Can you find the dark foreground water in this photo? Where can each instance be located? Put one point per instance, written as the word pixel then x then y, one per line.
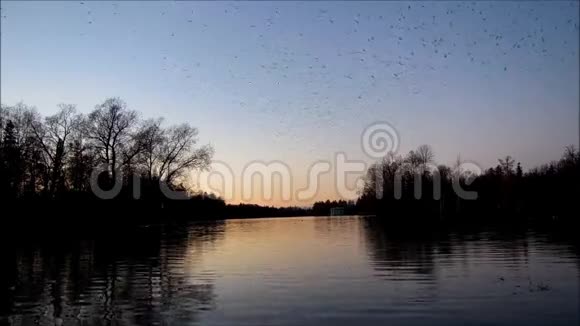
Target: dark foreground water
pixel 294 271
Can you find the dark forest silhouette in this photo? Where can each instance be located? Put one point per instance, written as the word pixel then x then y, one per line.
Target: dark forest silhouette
pixel 51 160
pixel 47 164
pixel 503 192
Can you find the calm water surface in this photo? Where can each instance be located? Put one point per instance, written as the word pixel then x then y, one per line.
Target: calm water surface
pixel 293 271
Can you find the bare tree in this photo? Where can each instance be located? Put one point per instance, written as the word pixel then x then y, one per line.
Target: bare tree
pixel 152 137
pixel 168 153
pixel 22 118
pixel 53 138
pixel 177 153
pixel 413 159
pixel 570 154
pixel 110 127
pixel 3 119
pixel 457 170
pixel 81 157
pixel 425 154
pixel 61 150
pixel 419 158
pixel 507 165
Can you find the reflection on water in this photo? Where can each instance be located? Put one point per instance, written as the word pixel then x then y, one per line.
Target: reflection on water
pixel 295 271
pixel 151 277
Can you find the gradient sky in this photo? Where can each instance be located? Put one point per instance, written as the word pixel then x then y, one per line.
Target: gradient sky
pixel 299 81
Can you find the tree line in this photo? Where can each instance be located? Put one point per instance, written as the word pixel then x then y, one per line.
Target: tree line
pixel 62 157
pixel 57 157
pixel 413 186
pixel 52 161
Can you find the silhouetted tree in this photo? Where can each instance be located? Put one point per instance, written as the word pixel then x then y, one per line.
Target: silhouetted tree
pixel 110 127
pixel 79 167
pixel 548 191
pixel 54 139
pixel 175 153
pixel 424 155
pixel 507 165
pixel 55 157
pixel 12 164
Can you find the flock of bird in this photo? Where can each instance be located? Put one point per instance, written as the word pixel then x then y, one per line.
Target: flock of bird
pixel 444 47
pixel 431 43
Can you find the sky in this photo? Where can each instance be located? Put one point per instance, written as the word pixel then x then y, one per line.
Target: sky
pixel 298 82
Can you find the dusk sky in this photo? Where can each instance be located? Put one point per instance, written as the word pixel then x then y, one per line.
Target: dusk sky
pixel 299 81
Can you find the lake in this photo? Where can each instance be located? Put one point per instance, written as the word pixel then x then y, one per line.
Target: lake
pixel 291 271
